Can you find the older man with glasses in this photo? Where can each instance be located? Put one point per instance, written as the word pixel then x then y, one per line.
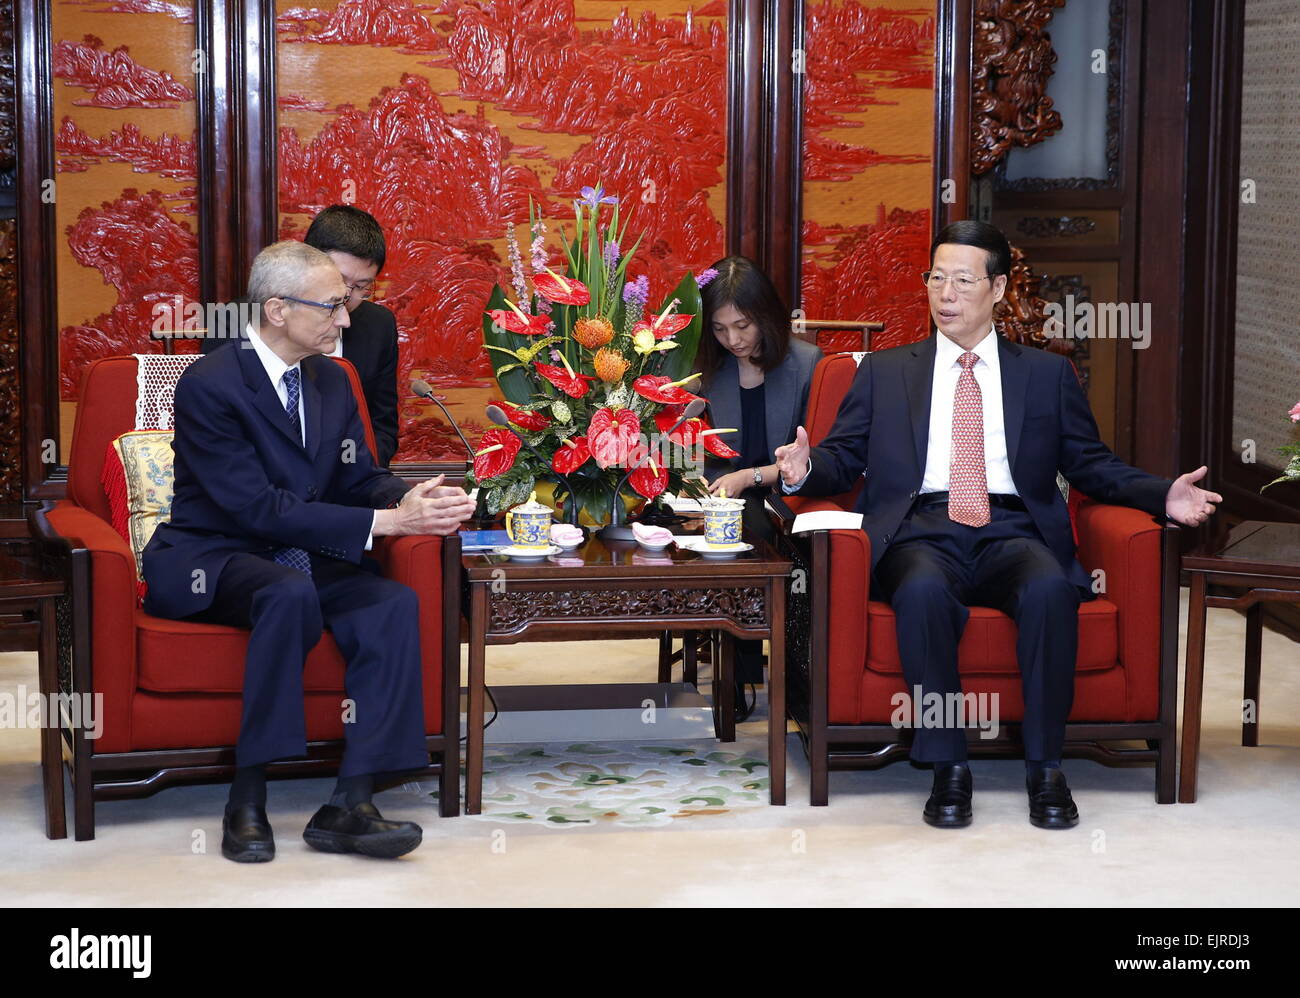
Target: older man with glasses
pixel 276 500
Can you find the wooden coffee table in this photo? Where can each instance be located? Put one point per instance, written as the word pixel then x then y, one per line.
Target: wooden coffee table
pixel 1262 560
pixel 600 591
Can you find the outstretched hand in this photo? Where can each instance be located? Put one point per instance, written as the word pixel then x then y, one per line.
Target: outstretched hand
pixel 1188 504
pixel 792 458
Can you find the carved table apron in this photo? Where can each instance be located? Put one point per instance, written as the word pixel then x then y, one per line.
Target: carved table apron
pixel 599 592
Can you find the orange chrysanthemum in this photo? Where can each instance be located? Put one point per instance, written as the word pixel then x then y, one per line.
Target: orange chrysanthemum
pixel 610 365
pixel 592 333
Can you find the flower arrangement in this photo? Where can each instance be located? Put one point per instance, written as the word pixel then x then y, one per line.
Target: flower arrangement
pixel 1291 473
pixel 592 377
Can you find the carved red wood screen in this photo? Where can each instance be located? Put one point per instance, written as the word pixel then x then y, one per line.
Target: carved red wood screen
pixel 867 173
pixel 124 191
pixel 442 122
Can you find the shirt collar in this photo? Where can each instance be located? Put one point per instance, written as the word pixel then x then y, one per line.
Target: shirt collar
pixel 274 366
pixel 948 353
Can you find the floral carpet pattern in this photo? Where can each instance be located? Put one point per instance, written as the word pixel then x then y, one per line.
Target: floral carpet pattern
pixel 585 785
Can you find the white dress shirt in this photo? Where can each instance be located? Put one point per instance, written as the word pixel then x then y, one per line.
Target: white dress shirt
pixel 275 370
pixel 943 390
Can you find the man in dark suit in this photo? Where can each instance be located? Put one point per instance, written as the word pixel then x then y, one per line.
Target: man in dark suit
pixel 353 239
pixel 960 438
pixel 276 499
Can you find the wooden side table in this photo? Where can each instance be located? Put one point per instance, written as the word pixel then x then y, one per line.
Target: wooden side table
pixel 30 589
pixel 1262 560
pixel 606 591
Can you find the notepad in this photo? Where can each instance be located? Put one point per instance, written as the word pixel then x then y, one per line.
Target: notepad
pixel 826 519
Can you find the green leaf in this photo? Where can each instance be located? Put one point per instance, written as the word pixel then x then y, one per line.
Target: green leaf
pixel 677 364
pixel 512 381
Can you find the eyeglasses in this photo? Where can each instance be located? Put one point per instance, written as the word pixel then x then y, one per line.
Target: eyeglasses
pixel 359 291
pixel 330 307
pixel 964 283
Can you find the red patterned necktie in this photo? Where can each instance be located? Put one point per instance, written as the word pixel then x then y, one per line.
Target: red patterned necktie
pixel 968 488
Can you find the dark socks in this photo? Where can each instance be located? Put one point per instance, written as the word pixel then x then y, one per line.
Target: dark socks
pixel 248 787
pixel 353 790
pixel 1034 767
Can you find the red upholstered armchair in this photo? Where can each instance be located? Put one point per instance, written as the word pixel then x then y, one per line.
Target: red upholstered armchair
pixel 172 690
pixel 840 691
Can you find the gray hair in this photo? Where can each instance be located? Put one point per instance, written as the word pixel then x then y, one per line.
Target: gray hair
pixel 282 269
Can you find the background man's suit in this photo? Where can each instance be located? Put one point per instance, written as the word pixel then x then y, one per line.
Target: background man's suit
pixel 1023 561
pixel 246 487
pixel 370 344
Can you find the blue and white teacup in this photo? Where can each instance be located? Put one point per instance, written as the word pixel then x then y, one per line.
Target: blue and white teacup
pixel 722 520
pixel 529 524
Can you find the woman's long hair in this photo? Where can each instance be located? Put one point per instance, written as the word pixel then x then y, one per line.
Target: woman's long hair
pixel 741 283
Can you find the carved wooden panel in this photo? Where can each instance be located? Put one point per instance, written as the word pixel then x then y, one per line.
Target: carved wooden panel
pixel 1022 313
pixel 10 391
pixel 1010 67
pixel 11 478
pixel 509 611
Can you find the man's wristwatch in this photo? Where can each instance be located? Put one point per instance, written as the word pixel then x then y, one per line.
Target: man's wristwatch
pixel 758 477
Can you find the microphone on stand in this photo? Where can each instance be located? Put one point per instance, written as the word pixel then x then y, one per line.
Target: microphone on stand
pixel 616 529
pixel 498 415
pixel 422 389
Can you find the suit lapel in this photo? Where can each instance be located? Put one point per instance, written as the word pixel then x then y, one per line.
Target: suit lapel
pixel 1015 379
pixel 724 399
pixel 265 399
pixel 311 403
pixel 918 377
pixel 778 396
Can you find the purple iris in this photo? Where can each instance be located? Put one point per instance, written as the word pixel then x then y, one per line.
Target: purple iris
pixel 593 196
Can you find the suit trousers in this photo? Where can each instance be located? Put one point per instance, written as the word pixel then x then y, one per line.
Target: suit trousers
pixel 934 570
pixel 375 623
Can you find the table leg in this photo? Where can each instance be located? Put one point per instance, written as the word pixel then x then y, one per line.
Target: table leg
pixel 56 823
pixel 666 657
pixel 1250 690
pixel 724 671
pixel 776 692
pixel 474 706
pixel 1192 689
pixel 690 658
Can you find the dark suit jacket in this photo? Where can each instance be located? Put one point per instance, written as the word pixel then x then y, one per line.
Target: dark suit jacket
pixel 244 482
pixel 883 429
pixel 370 343
pixel 785 395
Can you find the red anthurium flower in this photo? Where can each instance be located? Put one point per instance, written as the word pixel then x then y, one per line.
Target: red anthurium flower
pixel 496 453
pixel 612 435
pixel 523 417
pixel 520 322
pixel 714 445
pixel 569 459
pixel 561 290
pixel 685 434
pixel 649 480
pixel 664 326
pixel 658 388
pixel 573 385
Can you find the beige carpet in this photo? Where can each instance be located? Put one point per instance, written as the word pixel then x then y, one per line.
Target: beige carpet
pixel 1236 846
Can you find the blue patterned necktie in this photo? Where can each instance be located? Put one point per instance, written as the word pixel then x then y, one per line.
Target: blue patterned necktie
pixel 293 557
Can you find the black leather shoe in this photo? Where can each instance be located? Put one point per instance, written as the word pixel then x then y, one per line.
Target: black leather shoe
pixel 246 834
pixel 949 803
pixel 361 829
pixel 1050 803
